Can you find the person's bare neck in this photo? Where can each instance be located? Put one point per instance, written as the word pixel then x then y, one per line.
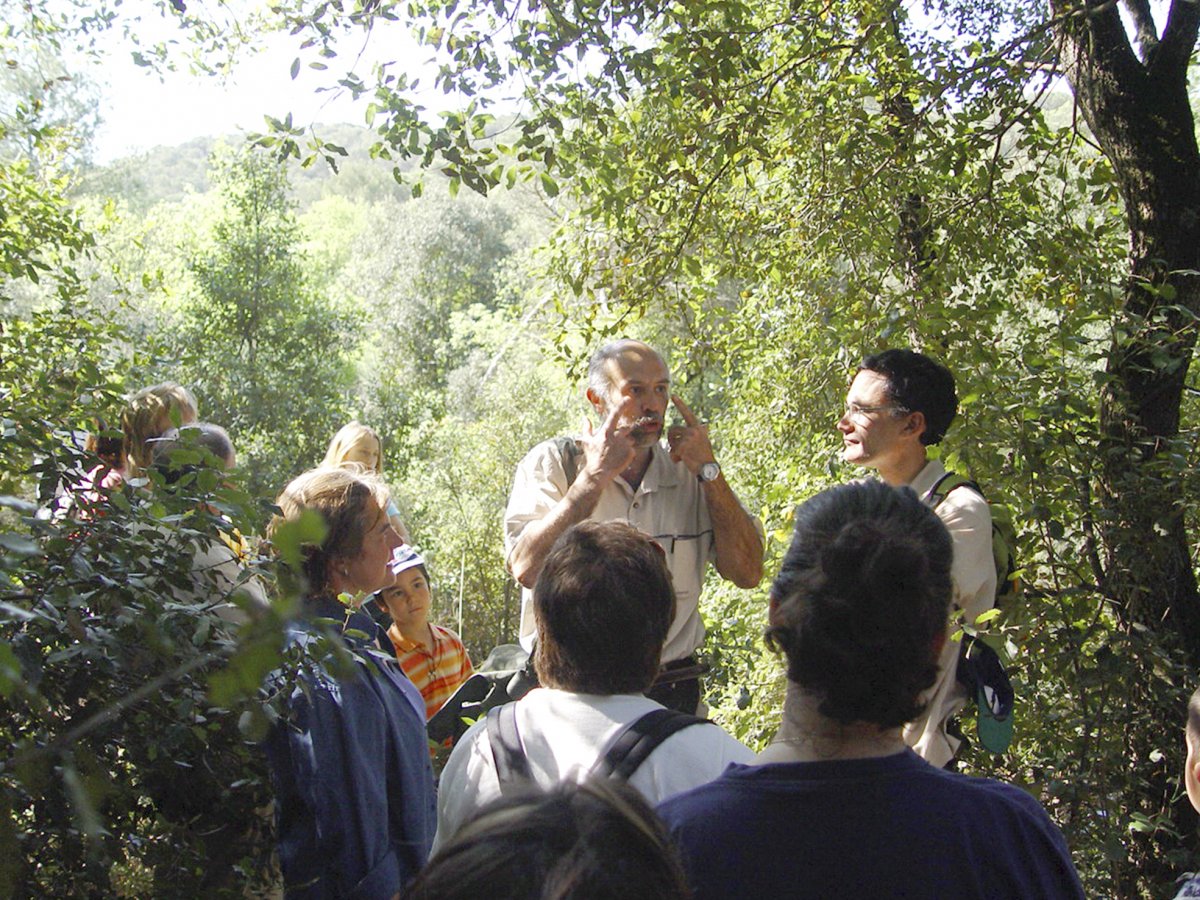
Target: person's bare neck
pixel 805 735
pixel 418 632
pixel 636 470
pixel 905 467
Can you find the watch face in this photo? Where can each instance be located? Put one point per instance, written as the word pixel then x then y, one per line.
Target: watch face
pixel 709 471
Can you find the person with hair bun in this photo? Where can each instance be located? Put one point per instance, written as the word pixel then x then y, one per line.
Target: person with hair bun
pixel 838 805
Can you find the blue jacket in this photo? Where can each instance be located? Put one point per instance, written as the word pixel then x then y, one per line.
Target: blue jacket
pixel 354 791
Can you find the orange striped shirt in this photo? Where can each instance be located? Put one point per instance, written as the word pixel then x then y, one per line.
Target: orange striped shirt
pixel 438 671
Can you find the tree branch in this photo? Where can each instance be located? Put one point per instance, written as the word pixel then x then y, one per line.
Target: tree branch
pixel 1145 31
pixel 1179 36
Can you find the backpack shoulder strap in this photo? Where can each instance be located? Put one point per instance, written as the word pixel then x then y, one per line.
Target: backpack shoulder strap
pixel 947 483
pixel 569 450
pixel 507 753
pixel 640 738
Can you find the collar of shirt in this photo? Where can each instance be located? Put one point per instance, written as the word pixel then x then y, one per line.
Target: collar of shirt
pixel 927 478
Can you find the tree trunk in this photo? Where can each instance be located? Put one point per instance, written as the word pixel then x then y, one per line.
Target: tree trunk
pixel 1138 110
pixel 1140 115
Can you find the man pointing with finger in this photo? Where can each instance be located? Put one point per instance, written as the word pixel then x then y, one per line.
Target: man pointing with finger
pixel 619 471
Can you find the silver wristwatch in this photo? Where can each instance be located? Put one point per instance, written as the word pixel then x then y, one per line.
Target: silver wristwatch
pixel 709 471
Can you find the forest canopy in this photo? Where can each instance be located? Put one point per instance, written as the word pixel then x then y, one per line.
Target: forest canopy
pixel 767 192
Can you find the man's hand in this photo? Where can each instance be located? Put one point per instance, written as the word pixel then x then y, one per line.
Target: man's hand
pixel 611 448
pixel 689 442
pixel 739 548
pixel 608 451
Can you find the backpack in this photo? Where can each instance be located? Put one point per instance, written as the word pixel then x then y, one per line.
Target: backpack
pixel 1004 536
pixel 627 751
pixel 980 669
pixel 570 451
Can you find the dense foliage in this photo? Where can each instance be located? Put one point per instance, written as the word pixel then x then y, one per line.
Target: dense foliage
pixel 768 192
pixel 259 345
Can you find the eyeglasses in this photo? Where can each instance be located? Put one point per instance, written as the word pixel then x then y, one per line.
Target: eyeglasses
pixel 862 414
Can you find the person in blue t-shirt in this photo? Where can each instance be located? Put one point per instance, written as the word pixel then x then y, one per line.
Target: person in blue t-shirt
pixel 349 759
pixel 837 805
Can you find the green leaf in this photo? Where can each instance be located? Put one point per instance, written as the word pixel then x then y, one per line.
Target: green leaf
pixel 10 670
pixel 19 544
pixel 290 537
pixel 988 616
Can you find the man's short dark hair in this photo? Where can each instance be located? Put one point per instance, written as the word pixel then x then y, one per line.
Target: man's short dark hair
pixel 919 384
pixel 603 605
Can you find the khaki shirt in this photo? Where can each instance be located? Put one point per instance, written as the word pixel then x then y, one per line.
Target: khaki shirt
pixel 969 521
pixel 668 505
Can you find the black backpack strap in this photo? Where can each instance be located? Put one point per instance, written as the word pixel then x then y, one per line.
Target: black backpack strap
pixel 639 739
pixel 937 494
pixel 507 753
pixel 570 451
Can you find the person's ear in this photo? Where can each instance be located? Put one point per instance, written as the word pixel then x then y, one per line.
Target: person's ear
pixel 597 402
pixel 339 575
pixel 772 610
pixel 915 425
pixel 1191 775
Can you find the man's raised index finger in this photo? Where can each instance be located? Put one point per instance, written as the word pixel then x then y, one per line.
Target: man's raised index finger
pixel 610 423
pixel 689 417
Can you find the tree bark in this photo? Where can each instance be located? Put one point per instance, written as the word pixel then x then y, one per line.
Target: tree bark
pixel 1140 115
pixel 1138 111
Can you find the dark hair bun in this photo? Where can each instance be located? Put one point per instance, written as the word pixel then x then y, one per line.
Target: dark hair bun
pixel 862 596
pixel 866 565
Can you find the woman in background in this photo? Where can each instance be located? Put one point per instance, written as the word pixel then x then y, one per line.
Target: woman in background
pixel 150 414
pixel 357 444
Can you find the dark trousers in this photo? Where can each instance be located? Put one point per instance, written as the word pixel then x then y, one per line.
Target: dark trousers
pixel 682 695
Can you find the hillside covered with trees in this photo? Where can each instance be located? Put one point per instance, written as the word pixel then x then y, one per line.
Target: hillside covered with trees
pixel 767 192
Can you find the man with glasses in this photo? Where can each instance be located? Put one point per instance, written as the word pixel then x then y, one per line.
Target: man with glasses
pixel 899 404
pixel 619 470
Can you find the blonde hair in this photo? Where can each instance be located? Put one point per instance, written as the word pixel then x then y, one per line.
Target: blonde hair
pixel 342 497
pixel 349 436
pixel 148 415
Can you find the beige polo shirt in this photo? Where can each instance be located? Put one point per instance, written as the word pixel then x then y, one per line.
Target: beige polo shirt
pixel 668 505
pixel 969 521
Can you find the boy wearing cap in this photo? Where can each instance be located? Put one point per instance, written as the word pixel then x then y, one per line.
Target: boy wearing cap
pixel 433 657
